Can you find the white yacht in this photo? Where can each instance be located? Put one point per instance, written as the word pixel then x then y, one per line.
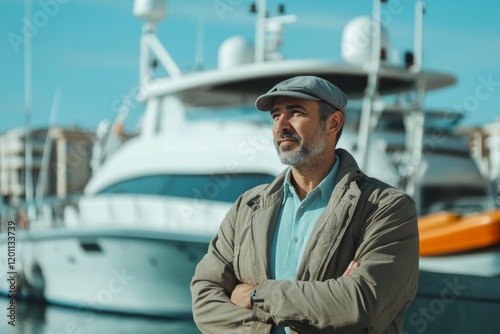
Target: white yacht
pixel 131 243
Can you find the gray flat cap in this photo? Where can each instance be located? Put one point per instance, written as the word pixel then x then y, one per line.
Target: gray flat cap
pixel 307 88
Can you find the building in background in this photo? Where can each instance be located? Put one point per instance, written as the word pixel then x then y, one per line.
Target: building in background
pixel 485 148
pixel 61 165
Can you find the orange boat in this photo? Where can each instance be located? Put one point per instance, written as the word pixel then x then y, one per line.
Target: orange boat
pixel 449 233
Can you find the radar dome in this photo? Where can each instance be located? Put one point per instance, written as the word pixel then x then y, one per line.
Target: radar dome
pixel 150 10
pixel 235 51
pixel 357 40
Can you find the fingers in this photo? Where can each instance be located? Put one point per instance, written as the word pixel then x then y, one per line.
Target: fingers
pixel 241 295
pixel 350 269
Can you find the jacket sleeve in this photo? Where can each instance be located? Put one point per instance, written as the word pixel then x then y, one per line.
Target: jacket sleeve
pixel 372 297
pixel 213 283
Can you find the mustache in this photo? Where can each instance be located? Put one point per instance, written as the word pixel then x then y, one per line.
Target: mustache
pixel 288 135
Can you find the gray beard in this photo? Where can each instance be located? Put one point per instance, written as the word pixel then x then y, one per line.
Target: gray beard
pixel 304 154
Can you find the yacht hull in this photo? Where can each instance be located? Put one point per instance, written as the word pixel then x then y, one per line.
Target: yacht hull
pixel 116 270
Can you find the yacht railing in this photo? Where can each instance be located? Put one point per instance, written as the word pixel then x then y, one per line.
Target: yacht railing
pixel 121 211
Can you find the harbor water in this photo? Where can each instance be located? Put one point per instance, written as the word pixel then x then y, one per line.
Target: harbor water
pixel 39 318
pixel 445 303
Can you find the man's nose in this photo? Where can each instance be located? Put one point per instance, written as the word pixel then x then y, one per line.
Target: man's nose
pixel 282 123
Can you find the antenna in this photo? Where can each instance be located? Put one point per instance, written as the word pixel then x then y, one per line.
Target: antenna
pixel 28 148
pixel 260 31
pixel 200 39
pixel 419 14
pixel 47 149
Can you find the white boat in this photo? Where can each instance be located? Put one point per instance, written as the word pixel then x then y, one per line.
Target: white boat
pixel 131 243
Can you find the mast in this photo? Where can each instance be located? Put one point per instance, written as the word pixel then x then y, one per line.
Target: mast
pixel 418 37
pixel 260 31
pixel 415 119
pixel 367 118
pixel 152 12
pixel 268 31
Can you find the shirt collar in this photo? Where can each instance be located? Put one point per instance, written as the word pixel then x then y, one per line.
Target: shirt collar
pixel 287 185
pixel 325 187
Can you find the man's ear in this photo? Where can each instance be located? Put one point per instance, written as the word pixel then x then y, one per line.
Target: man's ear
pixel 334 123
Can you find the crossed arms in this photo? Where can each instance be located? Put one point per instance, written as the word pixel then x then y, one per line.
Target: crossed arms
pixel 373 291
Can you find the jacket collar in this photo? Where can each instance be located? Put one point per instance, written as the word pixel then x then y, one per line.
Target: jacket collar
pixel 266 206
pixel 348 171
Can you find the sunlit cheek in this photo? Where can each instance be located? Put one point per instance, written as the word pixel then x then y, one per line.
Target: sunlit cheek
pixel 275 135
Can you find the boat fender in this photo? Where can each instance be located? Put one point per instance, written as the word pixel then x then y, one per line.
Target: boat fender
pixel 33 278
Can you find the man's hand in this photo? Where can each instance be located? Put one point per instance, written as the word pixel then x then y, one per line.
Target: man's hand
pixel 241 295
pixel 350 268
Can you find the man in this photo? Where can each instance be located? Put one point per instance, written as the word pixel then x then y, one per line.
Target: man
pixel 322 249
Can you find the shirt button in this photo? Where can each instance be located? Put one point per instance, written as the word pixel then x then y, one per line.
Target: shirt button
pixel 295 239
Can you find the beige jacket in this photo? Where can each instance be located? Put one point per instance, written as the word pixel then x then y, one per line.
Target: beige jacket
pixel 365 220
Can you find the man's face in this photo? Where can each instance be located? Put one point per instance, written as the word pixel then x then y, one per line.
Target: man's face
pixel 299 135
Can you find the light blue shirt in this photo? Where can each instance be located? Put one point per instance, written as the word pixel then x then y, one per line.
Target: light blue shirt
pixel 296 221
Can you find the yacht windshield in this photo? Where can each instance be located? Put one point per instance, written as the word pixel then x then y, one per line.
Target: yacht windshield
pixel 246 112
pixel 215 187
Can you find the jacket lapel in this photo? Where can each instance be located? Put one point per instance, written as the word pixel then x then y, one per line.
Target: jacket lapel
pixel 263 223
pixel 332 224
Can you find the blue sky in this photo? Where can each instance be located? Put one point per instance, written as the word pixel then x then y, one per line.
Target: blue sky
pixel 90 50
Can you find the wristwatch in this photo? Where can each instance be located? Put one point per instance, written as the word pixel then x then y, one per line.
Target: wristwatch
pixel 252 297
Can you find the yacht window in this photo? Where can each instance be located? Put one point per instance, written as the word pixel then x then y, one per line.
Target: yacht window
pixel 248 113
pixel 216 187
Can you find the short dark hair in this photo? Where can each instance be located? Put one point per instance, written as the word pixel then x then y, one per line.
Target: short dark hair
pixel 325 110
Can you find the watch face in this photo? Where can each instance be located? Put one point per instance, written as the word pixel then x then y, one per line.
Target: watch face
pixel 252 297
